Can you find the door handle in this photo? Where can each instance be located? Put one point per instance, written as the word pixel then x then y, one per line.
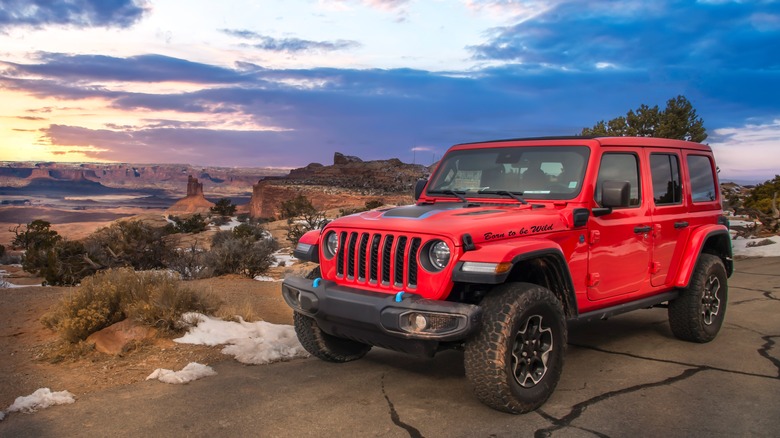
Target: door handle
pixel 679 225
pixel 643 229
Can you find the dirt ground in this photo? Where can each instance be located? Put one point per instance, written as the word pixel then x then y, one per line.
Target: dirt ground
pixel 26 345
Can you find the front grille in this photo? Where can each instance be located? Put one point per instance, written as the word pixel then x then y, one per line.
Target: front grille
pixel 378 259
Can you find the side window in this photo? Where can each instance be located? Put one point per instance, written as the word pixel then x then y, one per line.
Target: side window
pixel 620 167
pixel 665 170
pixel 702 178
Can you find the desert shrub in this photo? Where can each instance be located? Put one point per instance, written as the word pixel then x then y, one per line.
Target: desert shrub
pixel 192 224
pixel 67 263
pixel 161 300
pixel 374 203
pixel 240 255
pixel 253 231
pixel 219 220
pixel 243 217
pixel 129 243
pixel 94 306
pixel 190 262
pixel 153 297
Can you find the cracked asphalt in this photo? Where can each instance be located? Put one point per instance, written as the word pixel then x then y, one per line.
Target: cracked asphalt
pixel 627 376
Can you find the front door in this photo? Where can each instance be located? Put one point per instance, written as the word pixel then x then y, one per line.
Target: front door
pixel 620 242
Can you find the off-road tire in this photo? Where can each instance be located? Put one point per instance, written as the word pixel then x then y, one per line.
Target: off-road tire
pixel 697 314
pixel 509 314
pixel 324 346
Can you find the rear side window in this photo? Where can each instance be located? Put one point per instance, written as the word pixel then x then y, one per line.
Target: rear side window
pixel 702 178
pixel 667 189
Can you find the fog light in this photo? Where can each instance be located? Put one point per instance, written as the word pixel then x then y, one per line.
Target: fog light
pixel 430 323
pixel 420 323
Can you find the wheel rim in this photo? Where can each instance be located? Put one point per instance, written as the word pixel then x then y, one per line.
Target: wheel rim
pixel 531 352
pixel 710 301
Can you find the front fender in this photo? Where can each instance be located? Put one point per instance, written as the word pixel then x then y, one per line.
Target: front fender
pixel 540 254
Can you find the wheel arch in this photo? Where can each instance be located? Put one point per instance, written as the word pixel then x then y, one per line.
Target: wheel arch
pixel 531 260
pixel 547 268
pixel 713 239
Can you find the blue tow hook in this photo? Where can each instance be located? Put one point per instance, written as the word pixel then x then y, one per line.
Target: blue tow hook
pixel 399 296
pixel 317 282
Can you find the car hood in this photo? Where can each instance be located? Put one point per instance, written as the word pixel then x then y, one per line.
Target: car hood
pixel 453 219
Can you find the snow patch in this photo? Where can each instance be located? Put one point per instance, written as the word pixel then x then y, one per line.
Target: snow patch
pixel 741 248
pixel 283 258
pixel 193 371
pixel 40 399
pixel 249 342
pixel 230 225
pixel 266 278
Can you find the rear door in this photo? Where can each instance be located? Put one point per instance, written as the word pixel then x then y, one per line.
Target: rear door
pixel 668 210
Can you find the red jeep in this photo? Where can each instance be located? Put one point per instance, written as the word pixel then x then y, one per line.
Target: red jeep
pixel 508 241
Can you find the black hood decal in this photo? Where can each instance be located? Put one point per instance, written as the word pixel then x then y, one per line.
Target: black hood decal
pixel 420 211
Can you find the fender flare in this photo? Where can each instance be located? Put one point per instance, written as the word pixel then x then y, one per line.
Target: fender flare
pixel 696 243
pixel 544 251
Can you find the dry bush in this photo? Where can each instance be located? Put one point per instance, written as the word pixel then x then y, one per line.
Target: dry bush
pixel 153 297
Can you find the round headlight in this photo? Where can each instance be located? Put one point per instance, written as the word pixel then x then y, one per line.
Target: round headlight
pixel 331 244
pixel 439 255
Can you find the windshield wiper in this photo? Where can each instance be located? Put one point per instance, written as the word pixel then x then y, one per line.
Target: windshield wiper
pixel 455 193
pixel 514 195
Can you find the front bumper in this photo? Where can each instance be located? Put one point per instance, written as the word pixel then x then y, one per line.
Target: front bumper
pixel 408 323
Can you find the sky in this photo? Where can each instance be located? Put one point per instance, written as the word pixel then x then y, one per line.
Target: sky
pixel 289 82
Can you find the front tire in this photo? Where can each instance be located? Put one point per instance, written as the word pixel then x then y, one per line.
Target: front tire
pixel 698 313
pixel 515 360
pixel 324 346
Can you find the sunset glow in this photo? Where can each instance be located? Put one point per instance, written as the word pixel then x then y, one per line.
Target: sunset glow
pixel 285 83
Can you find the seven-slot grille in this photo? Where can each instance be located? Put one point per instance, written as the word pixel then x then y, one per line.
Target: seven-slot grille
pixel 378 259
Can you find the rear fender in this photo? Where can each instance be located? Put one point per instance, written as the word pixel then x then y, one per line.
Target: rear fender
pixel 712 239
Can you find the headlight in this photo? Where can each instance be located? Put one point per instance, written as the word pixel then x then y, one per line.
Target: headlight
pixel 439 255
pixel 331 244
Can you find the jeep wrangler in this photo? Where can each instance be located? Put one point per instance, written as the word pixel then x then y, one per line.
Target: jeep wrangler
pixel 507 242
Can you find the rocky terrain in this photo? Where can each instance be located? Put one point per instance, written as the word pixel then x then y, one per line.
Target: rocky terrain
pixel 348 182
pixel 163 177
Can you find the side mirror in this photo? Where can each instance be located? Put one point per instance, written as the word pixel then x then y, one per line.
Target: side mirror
pixel 419 187
pixel 614 194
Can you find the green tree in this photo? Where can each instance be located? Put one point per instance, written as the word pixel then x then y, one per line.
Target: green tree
pixel 193 224
pixel 678 121
pixel 223 207
pixel 34 236
pixel 295 207
pixel 763 204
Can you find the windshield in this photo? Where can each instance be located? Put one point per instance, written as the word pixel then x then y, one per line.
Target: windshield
pixel 550 172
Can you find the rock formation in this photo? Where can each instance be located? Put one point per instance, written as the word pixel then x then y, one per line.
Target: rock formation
pixel 349 182
pixel 194 202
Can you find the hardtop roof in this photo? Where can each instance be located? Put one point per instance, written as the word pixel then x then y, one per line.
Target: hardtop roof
pixel 653 142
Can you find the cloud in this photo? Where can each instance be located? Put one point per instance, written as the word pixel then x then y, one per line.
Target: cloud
pixel 290 45
pixel 81 13
pixel 743 153
pixel 641 35
pixel 141 68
